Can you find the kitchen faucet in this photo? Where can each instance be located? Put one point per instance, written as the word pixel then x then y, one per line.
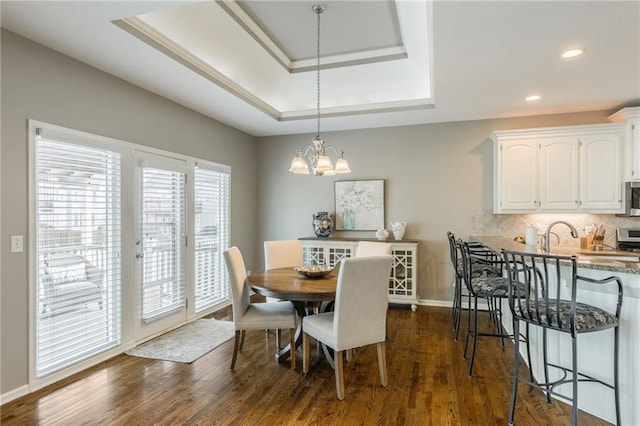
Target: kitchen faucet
pixel 545 237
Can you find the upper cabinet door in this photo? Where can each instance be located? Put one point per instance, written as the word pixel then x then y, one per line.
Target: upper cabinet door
pixel 630 117
pixel 558 165
pixel 517 175
pixel 601 173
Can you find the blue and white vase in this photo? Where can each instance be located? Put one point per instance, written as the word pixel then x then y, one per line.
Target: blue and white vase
pixel 322 224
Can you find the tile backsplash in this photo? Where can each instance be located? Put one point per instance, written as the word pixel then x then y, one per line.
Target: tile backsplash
pixel 513 225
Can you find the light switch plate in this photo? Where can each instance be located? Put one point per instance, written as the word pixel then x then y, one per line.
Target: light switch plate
pixel 17 244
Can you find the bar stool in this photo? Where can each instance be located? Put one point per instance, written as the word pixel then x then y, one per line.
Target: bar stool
pixel 484 260
pixel 488 287
pixel 542 305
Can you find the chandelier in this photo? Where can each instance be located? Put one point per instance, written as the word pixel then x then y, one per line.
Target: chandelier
pixel 316 154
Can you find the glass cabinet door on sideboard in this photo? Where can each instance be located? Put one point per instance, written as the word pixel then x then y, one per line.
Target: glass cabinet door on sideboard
pixel 403 281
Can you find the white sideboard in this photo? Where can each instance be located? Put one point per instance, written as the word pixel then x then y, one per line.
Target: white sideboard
pixel 403 282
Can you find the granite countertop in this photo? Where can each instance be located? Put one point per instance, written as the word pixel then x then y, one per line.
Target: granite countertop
pixel 605 260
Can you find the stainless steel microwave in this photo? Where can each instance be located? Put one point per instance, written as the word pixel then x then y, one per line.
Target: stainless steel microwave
pixel 632 198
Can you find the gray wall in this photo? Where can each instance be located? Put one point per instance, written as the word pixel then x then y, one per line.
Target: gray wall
pixel 437 177
pixel 41 84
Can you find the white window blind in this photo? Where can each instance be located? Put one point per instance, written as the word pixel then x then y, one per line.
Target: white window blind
pixel 211 217
pixel 78 231
pixel 163 205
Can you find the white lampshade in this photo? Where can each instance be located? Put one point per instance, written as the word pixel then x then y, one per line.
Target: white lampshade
pixel 324 164
pixel 299 166
pixel 342 166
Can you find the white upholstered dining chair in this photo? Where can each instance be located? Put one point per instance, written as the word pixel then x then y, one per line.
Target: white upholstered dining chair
pixel 254 316
pixel 360 314
pixel 281 254
pixel 366 249
pixel 371 248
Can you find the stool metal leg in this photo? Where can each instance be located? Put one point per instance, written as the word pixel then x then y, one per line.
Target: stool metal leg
pixel 457 301
pixel 475 335
pixel 616 378
pixel 526 330
pixel 574 360
pixel 466 339
pixel 516 366
pixel 545 361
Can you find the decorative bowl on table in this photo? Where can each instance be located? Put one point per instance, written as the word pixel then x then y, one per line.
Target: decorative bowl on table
pixel 313 271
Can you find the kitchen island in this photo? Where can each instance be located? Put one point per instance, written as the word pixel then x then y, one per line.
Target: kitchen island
pixel 595 350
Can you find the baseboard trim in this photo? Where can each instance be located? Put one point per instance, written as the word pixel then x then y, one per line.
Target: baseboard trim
pixel 447 303
pixel 14 394
pixel 432 302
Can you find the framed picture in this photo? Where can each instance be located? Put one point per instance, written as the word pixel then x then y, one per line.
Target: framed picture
pixel 359 205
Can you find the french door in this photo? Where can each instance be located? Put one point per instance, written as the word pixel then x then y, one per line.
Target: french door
pixel 110 261
pixel 160 243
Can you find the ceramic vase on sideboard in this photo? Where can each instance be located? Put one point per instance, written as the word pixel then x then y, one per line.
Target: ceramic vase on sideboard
pixel 322 224
pixel 398 229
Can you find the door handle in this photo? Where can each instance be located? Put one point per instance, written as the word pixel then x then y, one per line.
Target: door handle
pixel 139 255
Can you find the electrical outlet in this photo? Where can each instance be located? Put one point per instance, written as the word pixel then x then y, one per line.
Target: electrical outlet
pixel 17 244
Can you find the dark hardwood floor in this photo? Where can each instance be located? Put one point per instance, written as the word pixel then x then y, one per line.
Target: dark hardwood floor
pixel 428 385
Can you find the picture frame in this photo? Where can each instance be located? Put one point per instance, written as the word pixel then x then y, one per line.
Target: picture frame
pixel 359 205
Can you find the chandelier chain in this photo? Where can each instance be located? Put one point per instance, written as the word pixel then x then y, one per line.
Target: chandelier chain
pixel 318 12
pixel 316 153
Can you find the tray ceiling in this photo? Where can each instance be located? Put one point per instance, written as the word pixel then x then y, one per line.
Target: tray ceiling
pixel 251 64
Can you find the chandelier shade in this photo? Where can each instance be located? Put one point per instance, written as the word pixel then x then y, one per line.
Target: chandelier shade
pixel 298 165
pixel 316 154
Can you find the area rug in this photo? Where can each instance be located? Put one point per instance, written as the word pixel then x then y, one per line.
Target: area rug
pixel 187 343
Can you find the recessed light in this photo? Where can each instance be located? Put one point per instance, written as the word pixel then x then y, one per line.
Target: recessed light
pixel 571 53
pixel 532 98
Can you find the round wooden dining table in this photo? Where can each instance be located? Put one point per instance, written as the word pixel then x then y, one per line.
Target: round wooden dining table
pixel 305 294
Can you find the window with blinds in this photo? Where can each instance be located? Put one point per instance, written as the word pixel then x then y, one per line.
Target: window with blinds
pixel 211 217
pixel 77 247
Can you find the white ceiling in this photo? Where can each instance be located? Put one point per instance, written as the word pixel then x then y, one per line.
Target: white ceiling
pixel 251 64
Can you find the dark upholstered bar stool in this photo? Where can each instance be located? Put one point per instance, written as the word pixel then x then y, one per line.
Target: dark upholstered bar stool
pixel 482 286
pixel 483 260
pixel 543 306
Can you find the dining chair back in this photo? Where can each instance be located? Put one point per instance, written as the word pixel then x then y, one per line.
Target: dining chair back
pixel 362 299
pixel 359 317
pixel 258 316
pixel 237 275
pixel 370 248
pixel 282 253
pixel 367 249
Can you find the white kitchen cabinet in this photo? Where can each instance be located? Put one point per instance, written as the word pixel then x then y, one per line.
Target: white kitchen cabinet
pixel 558 171
pixel 516 175
pixel 601 185
pixel 631 118
pixel 403 281
pixel 571 169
